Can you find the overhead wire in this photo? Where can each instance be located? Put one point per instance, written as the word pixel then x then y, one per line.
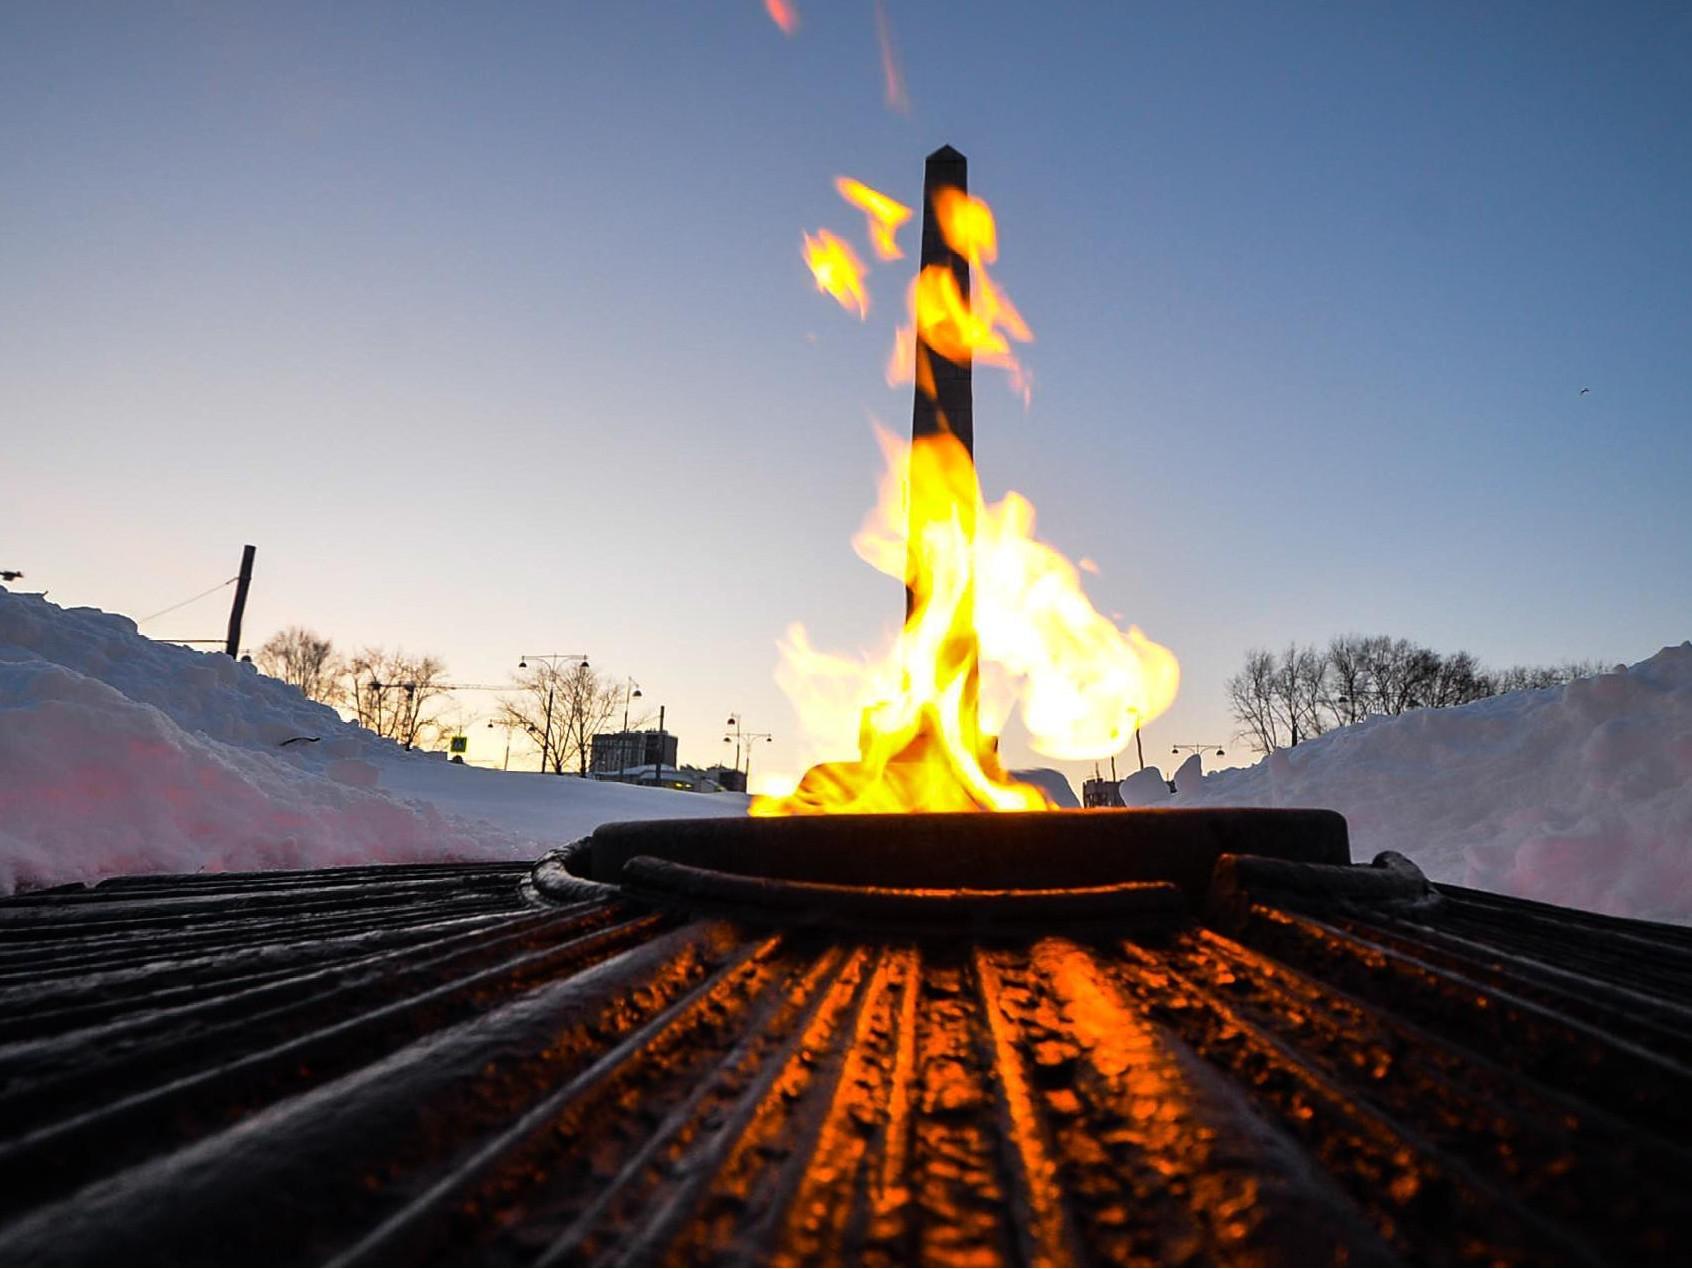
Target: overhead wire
pixel 163 611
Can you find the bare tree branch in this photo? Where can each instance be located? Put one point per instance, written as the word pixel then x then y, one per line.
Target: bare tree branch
pixel 305 659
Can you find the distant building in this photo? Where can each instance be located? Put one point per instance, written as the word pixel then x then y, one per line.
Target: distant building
pixel 1101 793
pixel 618 751
pixel 728 779
pixel 686 779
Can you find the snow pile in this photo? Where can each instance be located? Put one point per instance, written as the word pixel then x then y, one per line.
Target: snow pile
pixel 122 755
pixel 1146 787
pixel 1054 784
pixel 1578 795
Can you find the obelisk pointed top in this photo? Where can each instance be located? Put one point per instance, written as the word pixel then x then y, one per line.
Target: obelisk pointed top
pixel 942 397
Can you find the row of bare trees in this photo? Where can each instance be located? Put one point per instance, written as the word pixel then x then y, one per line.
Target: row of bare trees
pixel 390 691
pixel 559 707
pixel 1281 698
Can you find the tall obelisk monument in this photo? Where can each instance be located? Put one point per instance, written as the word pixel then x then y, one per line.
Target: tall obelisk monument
pixel 952 400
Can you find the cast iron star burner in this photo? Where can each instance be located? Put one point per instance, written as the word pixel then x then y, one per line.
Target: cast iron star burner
pixel 1096 1037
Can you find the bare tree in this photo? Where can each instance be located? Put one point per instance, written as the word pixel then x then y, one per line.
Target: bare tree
pixel 1251 697
pixel 1301 683
pixel 1302 692
pixel 1398 672
pixel 561 708
pixel 305 659
pixel 1456 680
pixel 394 694
pixel 1527 677
pixel 1347 685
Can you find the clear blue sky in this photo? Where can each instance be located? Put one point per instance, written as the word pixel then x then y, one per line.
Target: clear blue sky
pixel 488 324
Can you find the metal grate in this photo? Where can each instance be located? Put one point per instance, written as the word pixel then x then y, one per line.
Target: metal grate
pixel 1315 1063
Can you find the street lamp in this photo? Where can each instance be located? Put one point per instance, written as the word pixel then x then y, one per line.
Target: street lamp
pixel 1220 752
pixel 631 690
pixel 740 737
pixel 506 765
pixel 551 661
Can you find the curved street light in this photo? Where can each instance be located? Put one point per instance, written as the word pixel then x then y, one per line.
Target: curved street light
pixel 740 737
pixel 1220 752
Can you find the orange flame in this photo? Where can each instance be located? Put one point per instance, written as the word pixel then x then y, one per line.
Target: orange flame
pixel 885 215
pixel 838 270
pixel 892 78
pixel 962 330
pixel 997 620
pixel 968 226
pixel 783 14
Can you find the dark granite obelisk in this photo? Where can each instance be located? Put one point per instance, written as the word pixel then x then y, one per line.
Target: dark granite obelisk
pixel 952 399
pixel 943 399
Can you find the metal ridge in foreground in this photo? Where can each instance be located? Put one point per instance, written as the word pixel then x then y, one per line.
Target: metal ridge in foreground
pixel 1299 1060
pixel 980 850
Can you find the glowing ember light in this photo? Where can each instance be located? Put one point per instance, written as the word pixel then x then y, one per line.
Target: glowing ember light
pixel 885 215
pixel 892 78
pixel 977 329
pixel 838 271
pixel 783 14
pixel 997 621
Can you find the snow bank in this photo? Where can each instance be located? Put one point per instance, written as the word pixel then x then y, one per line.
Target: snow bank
pixel 1055 784
pixel 1145 787
pixel 1578 795
pixel 122 755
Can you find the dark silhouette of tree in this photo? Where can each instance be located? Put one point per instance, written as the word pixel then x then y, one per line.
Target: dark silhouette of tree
pixel 1279 700
pixel 582 704
pixel 394 694
pixel 305 659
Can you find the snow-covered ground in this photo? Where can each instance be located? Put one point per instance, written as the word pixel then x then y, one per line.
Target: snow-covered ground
pixel 122 755
pixel 1578 795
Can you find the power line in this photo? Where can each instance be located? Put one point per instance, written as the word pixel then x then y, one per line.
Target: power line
pixel 186 602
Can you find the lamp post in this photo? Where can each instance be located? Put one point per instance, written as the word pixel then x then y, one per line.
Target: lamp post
pixel 742 737
pixel 1177 749
pixel 631 690
pixel 551 661
pixel 506 765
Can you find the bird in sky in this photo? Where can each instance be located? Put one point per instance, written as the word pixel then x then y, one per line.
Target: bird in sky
pixel 1584 391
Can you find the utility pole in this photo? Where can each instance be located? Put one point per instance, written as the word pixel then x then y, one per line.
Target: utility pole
pixel 658 777
pixel 242 582
pixel 546 738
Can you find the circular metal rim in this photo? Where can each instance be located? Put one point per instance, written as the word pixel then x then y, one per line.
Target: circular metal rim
pixel 1040 851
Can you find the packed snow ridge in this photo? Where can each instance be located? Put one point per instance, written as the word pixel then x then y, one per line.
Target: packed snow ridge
pixel 1578 795
pixel 122 755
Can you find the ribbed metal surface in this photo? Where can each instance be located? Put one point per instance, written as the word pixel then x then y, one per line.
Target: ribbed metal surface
pixel 435 1064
